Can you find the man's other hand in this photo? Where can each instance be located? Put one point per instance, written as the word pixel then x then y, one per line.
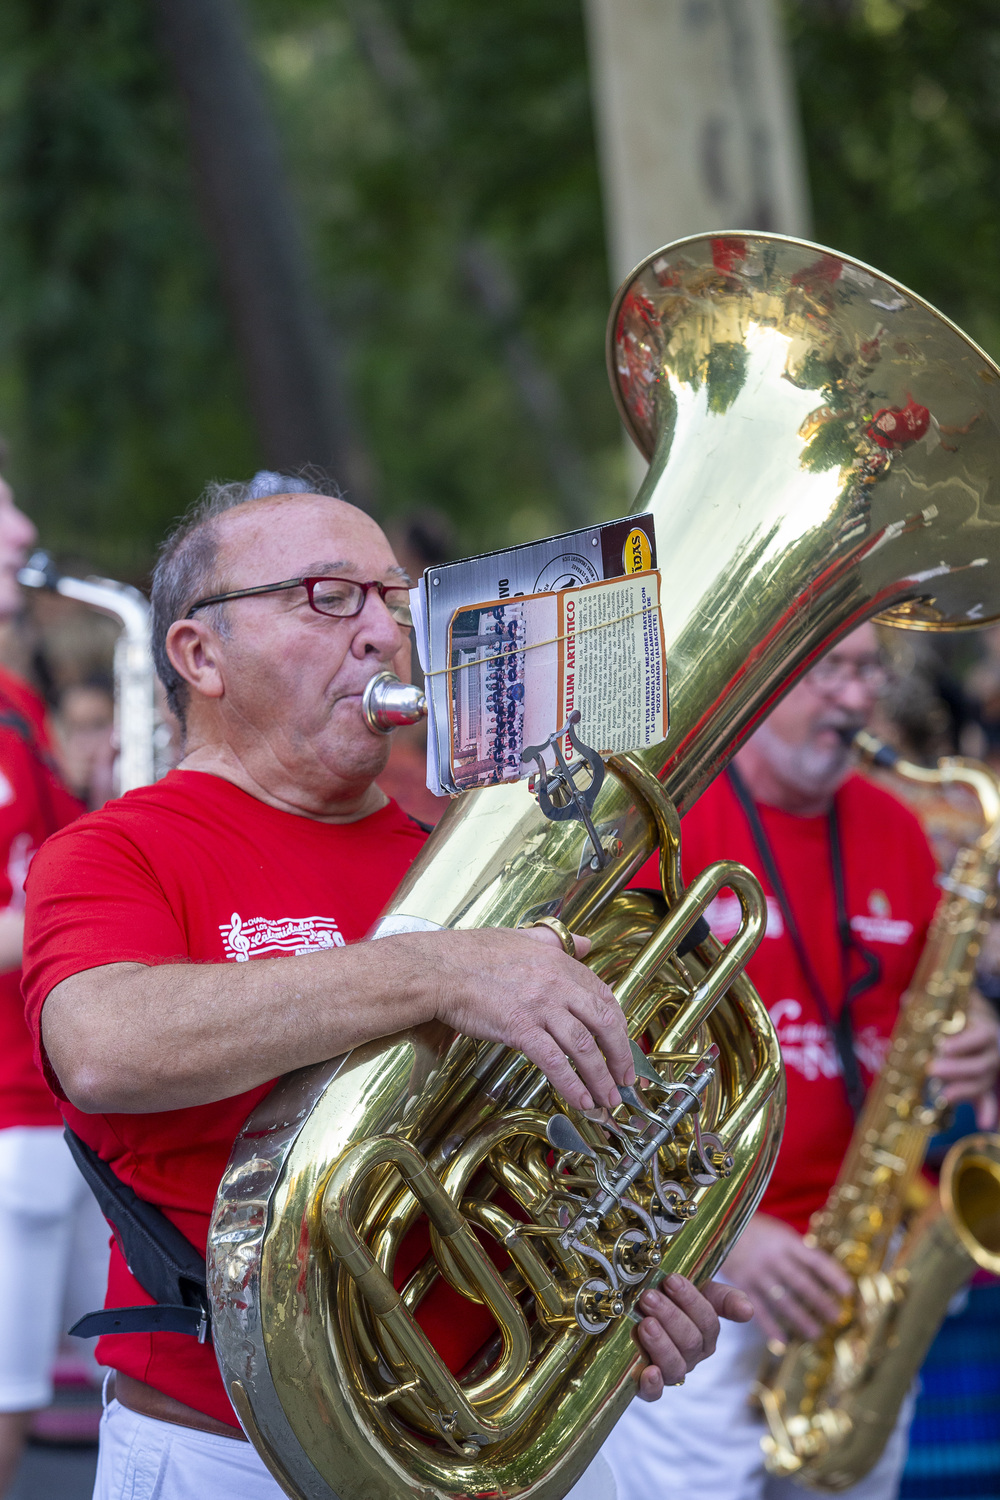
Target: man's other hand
pixel 967 1063
pixel 794 1287
pixel 521 989
pixel 680 1328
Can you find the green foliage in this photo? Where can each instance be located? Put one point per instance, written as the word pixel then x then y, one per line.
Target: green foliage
pixel 725 375
pixel 118 391
pixel 832 447
pixel 900 102
pixel 488 136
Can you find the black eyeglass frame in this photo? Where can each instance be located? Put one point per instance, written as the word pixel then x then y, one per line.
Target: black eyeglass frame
pixel 309 584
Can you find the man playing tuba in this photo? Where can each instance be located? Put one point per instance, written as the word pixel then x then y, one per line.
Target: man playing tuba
pixel 194 940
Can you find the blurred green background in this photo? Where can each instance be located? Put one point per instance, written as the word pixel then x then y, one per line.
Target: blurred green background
pixel 459 135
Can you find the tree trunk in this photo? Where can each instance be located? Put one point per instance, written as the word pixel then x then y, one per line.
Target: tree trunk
pixel 295 387
pixel 697 122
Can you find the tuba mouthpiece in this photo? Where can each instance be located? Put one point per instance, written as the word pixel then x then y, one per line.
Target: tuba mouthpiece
pixel 388 703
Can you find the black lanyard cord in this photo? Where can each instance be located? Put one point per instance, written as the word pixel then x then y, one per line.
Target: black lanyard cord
pixel 840 1029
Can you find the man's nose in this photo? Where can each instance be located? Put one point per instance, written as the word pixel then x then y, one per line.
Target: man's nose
pixel 856 696
pixel 377 632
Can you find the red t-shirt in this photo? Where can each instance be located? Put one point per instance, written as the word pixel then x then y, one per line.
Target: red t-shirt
pixel 194 868
pixel 891 896
pixel 33 804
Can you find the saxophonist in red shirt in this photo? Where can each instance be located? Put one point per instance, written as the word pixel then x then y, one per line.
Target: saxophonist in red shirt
pixel 850 884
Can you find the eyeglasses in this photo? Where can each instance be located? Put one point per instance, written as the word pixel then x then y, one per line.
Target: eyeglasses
pixel 834 672
pixel 341 598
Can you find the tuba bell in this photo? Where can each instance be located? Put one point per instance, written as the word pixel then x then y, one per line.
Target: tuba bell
pixel 823 447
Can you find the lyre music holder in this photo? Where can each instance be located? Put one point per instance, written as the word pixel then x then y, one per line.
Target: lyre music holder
pixel 579 800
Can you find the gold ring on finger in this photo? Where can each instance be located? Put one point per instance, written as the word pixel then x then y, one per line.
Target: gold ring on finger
pixel 561 931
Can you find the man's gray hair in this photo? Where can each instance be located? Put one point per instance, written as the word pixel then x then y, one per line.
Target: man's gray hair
pixel 186 567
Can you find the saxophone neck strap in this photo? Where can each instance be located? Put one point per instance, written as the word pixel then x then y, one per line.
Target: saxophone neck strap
pixel 839 1027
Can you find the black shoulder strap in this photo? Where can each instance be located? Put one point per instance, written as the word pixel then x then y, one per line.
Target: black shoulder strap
pixel 839 1030
pixel 163 1261
pixel 697 934
pixel 871 964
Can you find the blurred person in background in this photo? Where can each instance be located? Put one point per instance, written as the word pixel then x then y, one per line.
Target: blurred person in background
pixel 850 885
pixel 47 1215
pixel 923 714
pixel 85 726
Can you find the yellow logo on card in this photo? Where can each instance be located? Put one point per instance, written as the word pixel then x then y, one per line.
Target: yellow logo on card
pixel 636 555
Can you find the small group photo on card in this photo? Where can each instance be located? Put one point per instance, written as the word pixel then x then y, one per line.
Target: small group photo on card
pixel 518 668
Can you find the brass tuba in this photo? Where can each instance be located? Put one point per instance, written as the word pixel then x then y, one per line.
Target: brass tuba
pixel 831 1402
pixel 823 448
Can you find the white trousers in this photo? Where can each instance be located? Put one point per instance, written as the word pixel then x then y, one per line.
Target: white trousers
pixel 143 1459
pixel 53 1259
pixel 703 1438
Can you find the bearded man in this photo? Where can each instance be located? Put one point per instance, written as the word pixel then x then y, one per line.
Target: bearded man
pixel 850 884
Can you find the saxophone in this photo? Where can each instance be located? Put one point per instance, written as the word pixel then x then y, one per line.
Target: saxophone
pixel 831 1402
pixel 759 375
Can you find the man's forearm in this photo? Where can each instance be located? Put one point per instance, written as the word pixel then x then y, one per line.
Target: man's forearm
pixel 126 1038
pixel 134 1039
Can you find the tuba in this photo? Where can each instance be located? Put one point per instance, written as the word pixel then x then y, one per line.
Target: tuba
pixel 831 1402
pixel 823 448
pixel 141 736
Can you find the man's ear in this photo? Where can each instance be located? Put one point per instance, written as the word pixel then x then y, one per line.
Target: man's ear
pixel 193 649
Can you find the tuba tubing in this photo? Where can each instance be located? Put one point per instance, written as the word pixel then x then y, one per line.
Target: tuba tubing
pixel 823 450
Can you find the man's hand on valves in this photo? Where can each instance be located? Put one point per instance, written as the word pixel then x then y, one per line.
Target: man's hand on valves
pixel 680 1327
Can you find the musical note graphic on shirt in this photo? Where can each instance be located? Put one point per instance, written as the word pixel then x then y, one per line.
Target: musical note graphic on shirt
pixel 255 937
pixel 237 940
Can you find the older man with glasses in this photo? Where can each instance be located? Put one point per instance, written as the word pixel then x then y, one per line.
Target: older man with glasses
pixel 194 940
pixel 849 880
